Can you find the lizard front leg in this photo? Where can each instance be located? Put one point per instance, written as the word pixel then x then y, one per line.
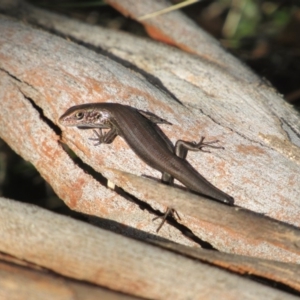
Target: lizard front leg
pixel 106 138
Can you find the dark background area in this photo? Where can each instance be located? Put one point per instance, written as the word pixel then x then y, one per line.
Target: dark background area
pixel 263 34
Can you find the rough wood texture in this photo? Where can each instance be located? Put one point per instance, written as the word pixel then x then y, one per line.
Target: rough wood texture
pixel 27 70
pixel 33 136
pixel 42 75
pixel 260 165
pixel 81 251
pixel 20 283
pixel 287 274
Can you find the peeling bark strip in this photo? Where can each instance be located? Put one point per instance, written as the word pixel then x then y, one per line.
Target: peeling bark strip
pixel 81 251
pixel 37 284
pixel 34 65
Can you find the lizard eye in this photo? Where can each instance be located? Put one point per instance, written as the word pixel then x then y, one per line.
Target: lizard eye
pixel 79 115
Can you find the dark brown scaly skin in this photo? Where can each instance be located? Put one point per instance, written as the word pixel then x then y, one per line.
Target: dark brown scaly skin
pixel 144 137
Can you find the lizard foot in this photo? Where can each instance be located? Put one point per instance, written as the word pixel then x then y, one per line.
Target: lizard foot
pixel 169 212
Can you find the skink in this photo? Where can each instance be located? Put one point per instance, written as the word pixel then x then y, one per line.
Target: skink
pixel 138 128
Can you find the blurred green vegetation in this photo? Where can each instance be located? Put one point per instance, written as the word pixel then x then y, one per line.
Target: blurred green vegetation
pixel 264 34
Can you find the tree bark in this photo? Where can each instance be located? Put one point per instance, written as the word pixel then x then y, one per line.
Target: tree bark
pixel 206 93
pixel 18 282
pixel 84 252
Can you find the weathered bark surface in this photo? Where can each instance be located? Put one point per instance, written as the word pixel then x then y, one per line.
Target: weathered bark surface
pixel 37 70
pixel 260 165
pixel 42 75
pixel 34 136
pixel 24 283
pixel 81 251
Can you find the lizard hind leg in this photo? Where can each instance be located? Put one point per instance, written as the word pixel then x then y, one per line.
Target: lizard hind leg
pixel 182 147
pixel 170 212
pixel 167 178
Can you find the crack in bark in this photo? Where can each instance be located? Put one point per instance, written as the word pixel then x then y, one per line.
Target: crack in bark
pixel 183 229
pixel 292 129
pixel 43 117
pixel 230 129
pixel 153 80
pixel 142 204
pixel 10 75
pixel 49 122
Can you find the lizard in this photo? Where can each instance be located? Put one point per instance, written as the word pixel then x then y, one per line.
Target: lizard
pixel 139 129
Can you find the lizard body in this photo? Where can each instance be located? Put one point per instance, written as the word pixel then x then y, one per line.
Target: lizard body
pixel 138 128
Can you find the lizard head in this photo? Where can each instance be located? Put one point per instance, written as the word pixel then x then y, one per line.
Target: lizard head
pixel 85 116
